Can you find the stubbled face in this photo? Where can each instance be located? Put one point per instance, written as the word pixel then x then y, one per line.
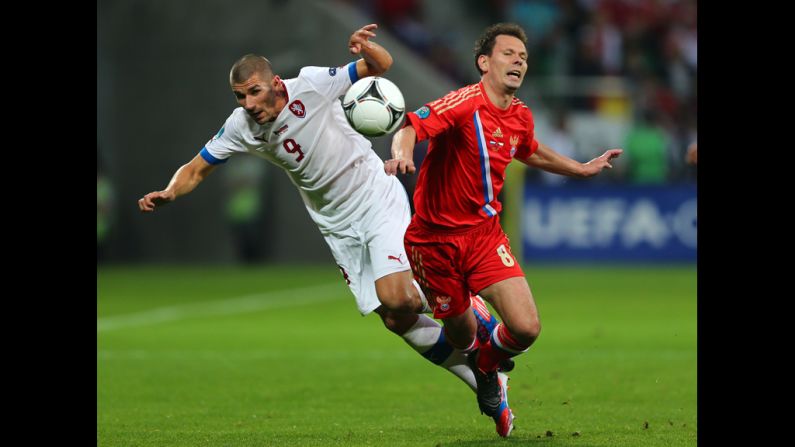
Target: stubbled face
pixel 506 66
pixel 258 97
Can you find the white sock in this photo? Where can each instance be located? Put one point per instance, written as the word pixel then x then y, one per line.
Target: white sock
pixel 427 338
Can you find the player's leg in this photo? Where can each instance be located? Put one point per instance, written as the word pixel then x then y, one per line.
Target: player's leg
pixel 514 302
pixel 425 335
pixel 492 389
pixel 400 294
pixel 498 277
pixel 492 385
pixel 520 327
pixel 383 227
pixel 487 322
pixel 435 262
pixel 487 261
pixel 398 291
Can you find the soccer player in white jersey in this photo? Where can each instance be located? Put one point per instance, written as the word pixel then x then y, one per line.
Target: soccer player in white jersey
pixel 298 124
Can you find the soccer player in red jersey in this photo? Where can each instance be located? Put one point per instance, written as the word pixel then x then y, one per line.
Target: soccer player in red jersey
pixel 455 242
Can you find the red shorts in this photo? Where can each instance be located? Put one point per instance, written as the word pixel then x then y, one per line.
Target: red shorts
pixel 448 265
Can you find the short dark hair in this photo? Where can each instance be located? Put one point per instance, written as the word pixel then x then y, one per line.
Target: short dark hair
pixel 485 44
pixel 246 66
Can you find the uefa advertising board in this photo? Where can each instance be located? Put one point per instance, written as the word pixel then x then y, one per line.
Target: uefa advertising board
pixel 611 223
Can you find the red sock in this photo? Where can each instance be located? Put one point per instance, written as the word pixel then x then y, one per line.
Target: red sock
pixel 490 356
pixel 501 345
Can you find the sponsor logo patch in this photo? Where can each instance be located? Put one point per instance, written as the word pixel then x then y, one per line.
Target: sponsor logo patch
pixel 216 136
pixel 423 112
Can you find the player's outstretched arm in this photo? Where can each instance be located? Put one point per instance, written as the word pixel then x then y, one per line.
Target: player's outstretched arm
pixel 596 165
pixel 402 152
pixel 376 60
pixel 547 159
pixel 185 180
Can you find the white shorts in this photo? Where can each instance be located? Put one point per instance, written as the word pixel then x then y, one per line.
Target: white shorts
pixel 372 247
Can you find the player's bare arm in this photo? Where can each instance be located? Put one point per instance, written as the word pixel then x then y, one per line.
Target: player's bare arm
pixel 596 165
pixel 376 60
pixel 402 152
pixel 547 159
pixel 185 180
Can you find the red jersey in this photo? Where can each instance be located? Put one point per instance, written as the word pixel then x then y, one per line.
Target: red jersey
pixel 472 142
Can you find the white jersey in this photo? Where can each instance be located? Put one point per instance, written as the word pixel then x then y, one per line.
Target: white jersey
pixel 334 167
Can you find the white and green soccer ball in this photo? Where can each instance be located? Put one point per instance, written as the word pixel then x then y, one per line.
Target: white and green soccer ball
pixel 374 106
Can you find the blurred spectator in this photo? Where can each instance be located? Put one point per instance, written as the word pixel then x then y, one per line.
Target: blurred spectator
pixel 404 19
pixel 105 208
pixel 605 42
pixel 491 11
pixel 444 59
pixel 692 154
pixel 649 44
pixel 586 59
pixel 684 31
pixel 646 150
pixel 537 17
pixel 244 184
pixel 560 139
pixel 653 94
pixel 680 75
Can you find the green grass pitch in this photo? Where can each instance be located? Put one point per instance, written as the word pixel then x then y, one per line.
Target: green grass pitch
pixel 279 356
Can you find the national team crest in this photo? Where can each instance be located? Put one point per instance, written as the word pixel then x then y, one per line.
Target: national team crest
pixel 514 141
pixel 298 109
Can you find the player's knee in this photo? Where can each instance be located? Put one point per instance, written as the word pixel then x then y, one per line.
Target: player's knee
pixel 527 331
pixel 397 299
pixel 397 322
pixel 396 302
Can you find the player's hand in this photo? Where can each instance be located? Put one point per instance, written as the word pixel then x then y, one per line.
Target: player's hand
pixel 596 165
pixel 148 202
pixel 393 166
pixel 360 38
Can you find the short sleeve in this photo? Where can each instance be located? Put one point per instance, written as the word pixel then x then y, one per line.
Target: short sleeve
pixel 525 150
pixel 225 143
pixel 436 117
pixel 331 82
pixel 529 144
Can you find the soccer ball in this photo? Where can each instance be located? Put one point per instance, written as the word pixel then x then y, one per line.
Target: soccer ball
pixel 374 106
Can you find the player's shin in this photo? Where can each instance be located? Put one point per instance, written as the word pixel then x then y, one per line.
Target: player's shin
pixel 427 338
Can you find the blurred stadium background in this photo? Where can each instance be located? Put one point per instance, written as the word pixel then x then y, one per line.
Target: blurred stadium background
pixel 602 74
pixel 193 333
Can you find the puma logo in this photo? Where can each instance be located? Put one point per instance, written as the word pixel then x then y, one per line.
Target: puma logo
pixel 396 258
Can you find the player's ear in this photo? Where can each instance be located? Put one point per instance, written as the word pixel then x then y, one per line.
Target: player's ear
pixel 483 63
pixel 276 81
